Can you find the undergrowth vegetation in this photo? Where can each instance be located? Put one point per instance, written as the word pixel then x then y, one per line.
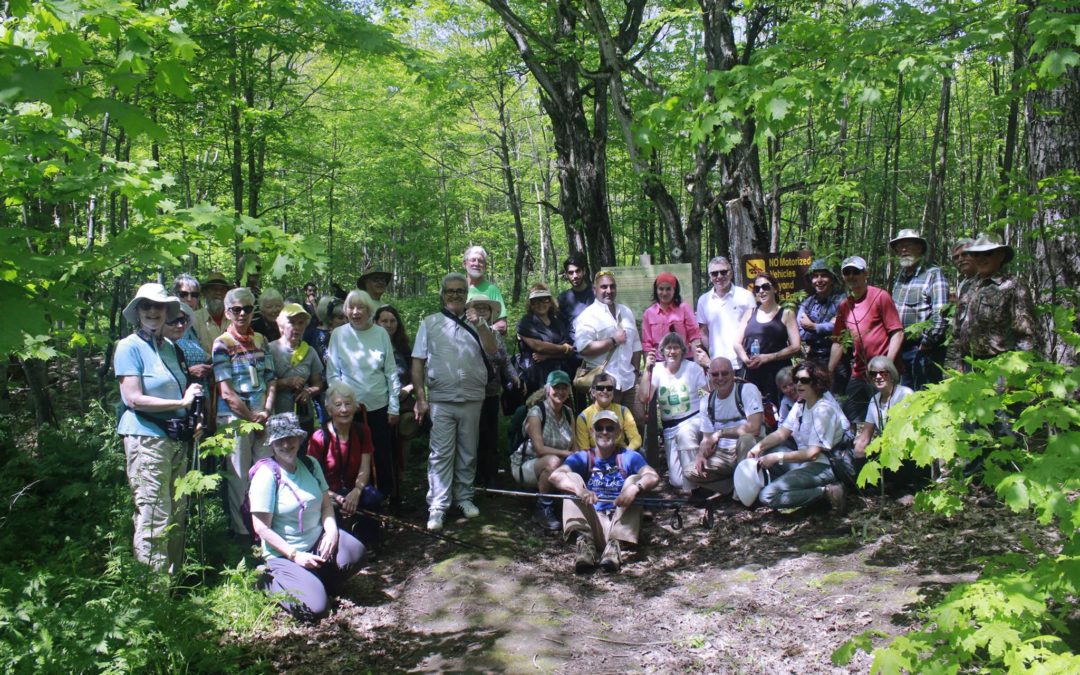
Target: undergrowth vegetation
pixel 72 598
pixel 1013 422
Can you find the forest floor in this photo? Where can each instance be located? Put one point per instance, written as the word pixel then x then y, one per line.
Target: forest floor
pixel 759 592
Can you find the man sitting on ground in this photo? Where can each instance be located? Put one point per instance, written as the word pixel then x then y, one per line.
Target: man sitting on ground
pixel 607 472
pixel 731 421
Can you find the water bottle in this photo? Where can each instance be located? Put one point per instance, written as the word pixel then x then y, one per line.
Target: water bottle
pixel 755 347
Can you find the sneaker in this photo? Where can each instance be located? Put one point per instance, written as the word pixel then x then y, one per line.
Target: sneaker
pixel 612 558
pixel 469 509
pixel 834 492
pixel 585 561
pixel 545 515
pixel 434 521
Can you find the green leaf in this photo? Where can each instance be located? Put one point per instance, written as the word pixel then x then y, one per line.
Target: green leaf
pixel 778 108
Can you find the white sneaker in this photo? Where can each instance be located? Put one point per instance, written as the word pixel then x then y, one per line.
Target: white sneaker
pixel 434 522
pixel 469 509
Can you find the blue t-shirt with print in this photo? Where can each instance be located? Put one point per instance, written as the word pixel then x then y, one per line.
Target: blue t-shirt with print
pixel 605 478
pixel 159 371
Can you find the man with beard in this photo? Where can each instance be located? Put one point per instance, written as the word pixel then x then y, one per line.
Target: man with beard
pixel 210 321
pixel 476 269
pixel 920 293
pixel 816 316
pixel 580 295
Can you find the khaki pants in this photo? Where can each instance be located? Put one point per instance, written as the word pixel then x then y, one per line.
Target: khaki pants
pixel 720 467
pixel 247 449
pixel 621 524
pixel 153 465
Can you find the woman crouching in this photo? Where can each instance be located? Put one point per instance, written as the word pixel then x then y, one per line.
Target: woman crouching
pixel 307 558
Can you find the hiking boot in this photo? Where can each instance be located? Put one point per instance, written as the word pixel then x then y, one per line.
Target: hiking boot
pixel 834 492
pixel 434 522
pixel 468 509
pixel 612 558
pixel 545 515
pixel 586 555
pixel 699 496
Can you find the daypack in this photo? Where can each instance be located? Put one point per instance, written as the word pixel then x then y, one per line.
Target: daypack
pixel 518 440
pixel 245 508
pixel 739 384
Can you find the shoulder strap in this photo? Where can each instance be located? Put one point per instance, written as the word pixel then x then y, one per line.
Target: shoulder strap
pixel 711 403
pixel 738 399
pixel 471 331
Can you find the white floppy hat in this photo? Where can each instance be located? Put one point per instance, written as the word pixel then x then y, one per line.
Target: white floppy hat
pixel 481 299
pixel 153 293
pixel 749 478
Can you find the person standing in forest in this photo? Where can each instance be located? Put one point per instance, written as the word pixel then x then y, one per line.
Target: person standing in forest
pixel 154 390
pixel 767 338
pixel 920 293
pixel 580 295
pixel 210 321
pixel 374 281
pixel 668 314
pixel 869 315
pixel 475 261
pixel 816 316
pixel 450 371
pixel 721 311
pixel 996 314
pixel 606 334
pixel 964 266
pixel 247 385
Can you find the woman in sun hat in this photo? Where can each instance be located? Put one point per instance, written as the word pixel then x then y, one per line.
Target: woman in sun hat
pixel 154 389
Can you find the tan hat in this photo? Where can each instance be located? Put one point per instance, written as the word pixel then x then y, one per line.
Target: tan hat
pixel 153 293
pixel 291 309
pixel 216 278
pixel 539 293
pixel 911 235
pixel 984 243
pixel 480 299
pixel 607 415
pixel 372 272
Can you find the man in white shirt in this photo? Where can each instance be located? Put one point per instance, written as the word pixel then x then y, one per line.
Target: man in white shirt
pixel 731 422
pixel 604 328
pixel 720 311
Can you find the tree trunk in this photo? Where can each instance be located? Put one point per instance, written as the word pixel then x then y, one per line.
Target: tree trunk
pixel 37 378
pixel 934 207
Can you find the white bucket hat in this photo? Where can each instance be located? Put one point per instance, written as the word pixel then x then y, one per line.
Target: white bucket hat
pixel 480 299
pixel 153 293
pixel 749 478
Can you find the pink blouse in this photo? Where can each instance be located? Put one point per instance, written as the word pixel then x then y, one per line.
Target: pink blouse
pixel 657 322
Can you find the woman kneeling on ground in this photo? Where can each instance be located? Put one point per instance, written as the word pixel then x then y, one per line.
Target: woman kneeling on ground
pixel 885 379
pixel 817 425
pixel 307 557
pixel 344 451
pixel 549 432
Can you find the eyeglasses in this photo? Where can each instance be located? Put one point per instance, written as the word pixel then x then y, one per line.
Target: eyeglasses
pixel 242 309
pixel 181 320
pixel 762 287
pixel 193 295
pixel 604 387
pixel 454 291
pixel 803 380
pixel 606 429
pixel 719 273
pixel 879 373
pixel 147 305
pixel 724 373
pixel 851 272
pixel 979 254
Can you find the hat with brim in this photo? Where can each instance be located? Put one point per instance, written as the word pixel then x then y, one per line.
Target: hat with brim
pixel 608 415
pixel 152 293
pixel 748 479
pixel 480 299
pixel 557 377
pixel 539 293
pixel 908 235
pixel 216 278
pixel 984 243
pixel 858 262
pixel 821 265
pixel 292 309
pixel 285 425
pixel 373 273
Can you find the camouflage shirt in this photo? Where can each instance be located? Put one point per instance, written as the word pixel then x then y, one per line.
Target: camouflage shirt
pixel 993 316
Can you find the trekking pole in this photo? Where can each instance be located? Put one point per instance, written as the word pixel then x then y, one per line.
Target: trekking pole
pixel 386 518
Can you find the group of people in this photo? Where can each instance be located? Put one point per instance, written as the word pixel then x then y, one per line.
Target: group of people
pixel 341 376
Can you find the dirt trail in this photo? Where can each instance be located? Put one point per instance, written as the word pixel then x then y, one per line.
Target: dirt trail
pixel 759 593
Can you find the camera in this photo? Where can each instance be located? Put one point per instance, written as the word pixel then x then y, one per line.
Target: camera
pixel 183 428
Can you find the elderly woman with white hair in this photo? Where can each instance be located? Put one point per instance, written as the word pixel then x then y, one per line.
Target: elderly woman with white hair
pixel 154 389
pixel 269 307
pixel 885 379
pixel 362 356
pixel 299 370
pixel 247 387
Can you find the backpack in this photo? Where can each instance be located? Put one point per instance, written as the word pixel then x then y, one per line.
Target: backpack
pixel 516 435
pixel 245 508
pixel 738 403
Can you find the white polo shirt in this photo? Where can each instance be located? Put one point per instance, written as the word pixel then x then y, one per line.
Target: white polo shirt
pixel 723 315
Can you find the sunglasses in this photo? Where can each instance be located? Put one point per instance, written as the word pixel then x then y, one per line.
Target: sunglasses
pixel 762 287
pixel 147 305
pixel 606 429
pixel 719 273
pixel 242 309
pixel 604 387
pixel 851 272
pixel 454 291
pixel 803 380
pixel 193 295
pixel 181 320
pixel 879 373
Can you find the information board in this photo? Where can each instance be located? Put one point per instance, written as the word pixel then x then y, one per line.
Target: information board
pixel 634 285
pixel 789 269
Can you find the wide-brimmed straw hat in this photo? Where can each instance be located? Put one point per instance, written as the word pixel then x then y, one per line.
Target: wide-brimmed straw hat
pixel 480 299
pixel 152 293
